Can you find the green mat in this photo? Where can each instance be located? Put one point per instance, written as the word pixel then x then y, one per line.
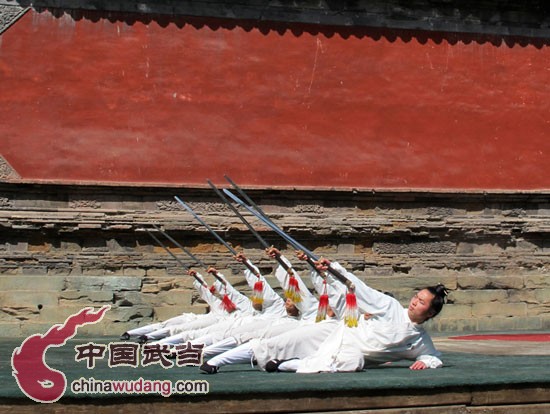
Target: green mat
pixel 460 369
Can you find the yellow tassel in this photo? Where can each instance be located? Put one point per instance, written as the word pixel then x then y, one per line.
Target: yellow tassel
pixel 258 293
pixel 292 291
pixel 323 304
pixel 351 316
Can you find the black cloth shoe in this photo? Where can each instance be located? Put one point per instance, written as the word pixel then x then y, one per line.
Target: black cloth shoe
pixel 209 369
pixel 125 336
pixel 274 364
pixel 142 339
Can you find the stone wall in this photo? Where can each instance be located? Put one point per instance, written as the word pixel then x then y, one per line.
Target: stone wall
pixel 64 247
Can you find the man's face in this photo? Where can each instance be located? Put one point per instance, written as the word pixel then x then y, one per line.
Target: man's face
pixel 291 308
pixel 419 307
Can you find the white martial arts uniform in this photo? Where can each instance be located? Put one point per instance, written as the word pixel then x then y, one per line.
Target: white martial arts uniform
pixel 182 332
pixel 336 292
pixel 273 309
pixel 309 303
pixel 215 313
pixel 280 325
pixel 388 335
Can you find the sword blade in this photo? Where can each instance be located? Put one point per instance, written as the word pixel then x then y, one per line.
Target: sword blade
pixel 216 235
pixel 285 236
pixel 270 224
pixel 161 244
pixel 191 255
pixel 239 215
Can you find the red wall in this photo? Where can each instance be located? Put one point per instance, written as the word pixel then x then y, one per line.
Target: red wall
pixel 110 102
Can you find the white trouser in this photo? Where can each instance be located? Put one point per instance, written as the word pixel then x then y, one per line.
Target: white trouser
pixel 240 355
pixel 142 330
pixel 176 320
pixel 159 333
pixel 219 347
pixel 204 321
pixel 289 366
pixel 243 354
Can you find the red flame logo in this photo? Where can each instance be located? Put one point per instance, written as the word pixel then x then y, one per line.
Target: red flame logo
pixel 35 378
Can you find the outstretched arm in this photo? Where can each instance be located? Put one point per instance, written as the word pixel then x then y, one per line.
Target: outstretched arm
pixel 369 300
pixel 272 302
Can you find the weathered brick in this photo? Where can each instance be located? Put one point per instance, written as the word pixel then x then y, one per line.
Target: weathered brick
pixel 543 295
pixel 507 282
pixel 456 325
pixel 491 282
pixel 537 281
pixel 451 311
pixel 156 272
pixel 126 314
pixel 35 283
pixel 29 298
pixel 411 283
pixel 30 328
pixel 163 313
pixel 494 251
pixel 128 298
pixel 85 296
pixel 477 296
pixel 115 329
pixel 344 248
pixel 11 329
pixel 173 297
pixel 530 323
pixel 499 309
pixel 103 283
pixel 523 295
pixel 150 288
pixel 134 271
pixel 545 322
pixel 58 314
pixel 99 329
pixel 20 247
pixel 497 323
pixel 539 309
pixel 18 313
pixel 34 270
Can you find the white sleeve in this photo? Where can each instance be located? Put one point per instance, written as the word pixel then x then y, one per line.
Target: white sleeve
pixel 309 304
pixel 282 277
pixel 431 361
pixel 428 354
pixel 369 300
pixel 205 294
pixel 241 301
pixel 317 281
pixel 273 304
pixel 336 296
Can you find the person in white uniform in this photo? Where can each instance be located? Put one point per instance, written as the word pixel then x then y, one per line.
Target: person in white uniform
pixel 391 333
pixel 176 334
pixel 214 304
pixel 297 314
pixel 272 317
pixel 269 311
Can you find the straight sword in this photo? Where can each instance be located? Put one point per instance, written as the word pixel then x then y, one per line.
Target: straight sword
pixel 191 255
pixel 161 244
pixel 285 236
pixel 249 226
